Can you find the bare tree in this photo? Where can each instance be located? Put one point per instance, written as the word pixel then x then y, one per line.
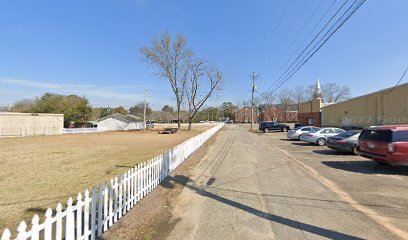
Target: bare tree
pixel 285 100
pixel 268 98
pixel 299 95
pixel 310 92
pixel 334 93
pixel 199 73
pixel 172 61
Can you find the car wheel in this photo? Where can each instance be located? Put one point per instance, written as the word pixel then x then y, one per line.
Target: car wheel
pixel 321 142
pixel 299 138
pixel 266 130
pixel 355 150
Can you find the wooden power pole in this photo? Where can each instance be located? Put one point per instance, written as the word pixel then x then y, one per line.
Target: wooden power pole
pixel 253 77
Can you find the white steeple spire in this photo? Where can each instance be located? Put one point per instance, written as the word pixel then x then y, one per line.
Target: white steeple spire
pixel 318 90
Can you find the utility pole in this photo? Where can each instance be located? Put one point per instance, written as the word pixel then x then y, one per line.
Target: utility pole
pixel 253 76
pixel 144 110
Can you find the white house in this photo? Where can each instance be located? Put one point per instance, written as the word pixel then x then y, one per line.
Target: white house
pixel 116 122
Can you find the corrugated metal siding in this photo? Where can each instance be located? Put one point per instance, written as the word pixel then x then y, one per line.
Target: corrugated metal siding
pixel 389 106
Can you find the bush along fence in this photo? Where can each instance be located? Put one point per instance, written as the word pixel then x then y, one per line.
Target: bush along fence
pixel 95 212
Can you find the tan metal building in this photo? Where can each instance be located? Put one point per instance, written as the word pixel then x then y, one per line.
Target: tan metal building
pixel 30 124
pixel 385 107
pixel 310 112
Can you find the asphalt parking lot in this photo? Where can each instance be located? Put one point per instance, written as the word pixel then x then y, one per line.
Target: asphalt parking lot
pixel 376 187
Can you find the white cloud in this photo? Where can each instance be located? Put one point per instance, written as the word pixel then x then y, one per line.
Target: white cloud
pixel 84 90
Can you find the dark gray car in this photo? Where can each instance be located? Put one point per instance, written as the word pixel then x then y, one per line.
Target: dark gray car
pixel 344 142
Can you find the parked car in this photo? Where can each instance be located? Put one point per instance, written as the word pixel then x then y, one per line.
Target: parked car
pixel 385 144
pixel 297 125
pixel 295 133
pixel 320 136
pixel 268 126
pixel 345 142
pixel 150 124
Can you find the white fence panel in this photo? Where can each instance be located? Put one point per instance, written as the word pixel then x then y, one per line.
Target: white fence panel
pixel 93 215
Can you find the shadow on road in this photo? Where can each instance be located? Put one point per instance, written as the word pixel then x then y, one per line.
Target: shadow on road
pixel 330 152
pixel 287 139
pixel 185 181
pixel 304 144
pixel 367 167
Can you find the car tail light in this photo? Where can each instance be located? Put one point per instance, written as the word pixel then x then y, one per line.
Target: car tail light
pixel 391 147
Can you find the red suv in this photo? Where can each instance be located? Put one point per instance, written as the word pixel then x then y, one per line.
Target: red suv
pixel 385 144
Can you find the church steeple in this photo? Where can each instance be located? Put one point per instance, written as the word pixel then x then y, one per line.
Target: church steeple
pixel 318 90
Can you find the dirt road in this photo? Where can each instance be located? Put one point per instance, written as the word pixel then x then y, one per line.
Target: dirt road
pixel 259 186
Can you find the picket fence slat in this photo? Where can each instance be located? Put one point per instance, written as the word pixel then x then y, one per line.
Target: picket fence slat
pixel 87 200
pixel 79 217
pixel 69 222
pixel 58 227
pixel 48 225
pixel 105 206
pixel 95 214
pixel 111 201
pixel 115 201
pixel 100 206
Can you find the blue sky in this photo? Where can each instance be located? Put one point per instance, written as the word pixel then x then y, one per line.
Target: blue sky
pixel 91 48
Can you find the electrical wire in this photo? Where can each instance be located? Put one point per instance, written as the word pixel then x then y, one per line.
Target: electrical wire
pixel 277 81
pixel 321 45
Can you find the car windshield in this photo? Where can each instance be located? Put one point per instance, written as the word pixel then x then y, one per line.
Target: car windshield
pixel 315 130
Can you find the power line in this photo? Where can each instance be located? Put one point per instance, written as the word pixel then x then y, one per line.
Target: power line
pixel 321 45
pixel 266 32
pixel 300 64
pixel 306 38
pixel 291 25
pixel 400 80
pixel 278 24
pixel 299 33
pixel 310 43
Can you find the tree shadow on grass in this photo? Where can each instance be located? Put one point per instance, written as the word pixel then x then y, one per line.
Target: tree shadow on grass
pixel 185 181
pixel 367 167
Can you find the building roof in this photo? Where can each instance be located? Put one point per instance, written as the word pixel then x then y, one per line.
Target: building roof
pixel 384 91
pixel 29 114
pixel 122 118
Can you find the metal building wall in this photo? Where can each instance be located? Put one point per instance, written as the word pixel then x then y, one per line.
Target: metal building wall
pixel 30 124
pixel 386 107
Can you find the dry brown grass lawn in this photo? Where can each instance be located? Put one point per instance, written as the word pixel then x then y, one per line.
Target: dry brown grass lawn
pixel 38 172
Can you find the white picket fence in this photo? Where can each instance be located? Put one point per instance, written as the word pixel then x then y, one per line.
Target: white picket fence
pixel 96 211
pixel 83 130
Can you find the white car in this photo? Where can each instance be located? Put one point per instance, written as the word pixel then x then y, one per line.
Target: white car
pixel 320 136
pixel 295 133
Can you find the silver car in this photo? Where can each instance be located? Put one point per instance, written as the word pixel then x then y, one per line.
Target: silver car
pixel 320 137
pixel 295 133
